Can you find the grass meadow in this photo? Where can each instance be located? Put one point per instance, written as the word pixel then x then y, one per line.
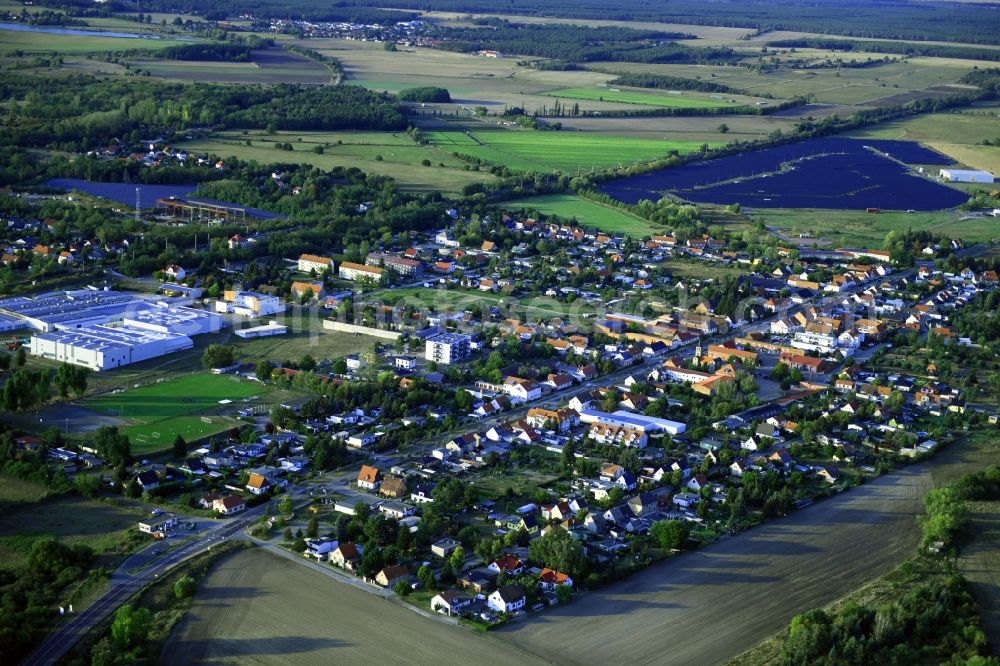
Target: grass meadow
pixel 586 212
pixel 400 159
pixel 568 152
pixel 645 98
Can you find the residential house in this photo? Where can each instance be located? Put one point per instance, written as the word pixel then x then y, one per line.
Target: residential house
pixel 369 478
pixel 550 579
pixel 393 486
pixel 508 599
pixel 257 484
pixel 229 505
pixel 451 602
pixel 346 555
pixel 389 576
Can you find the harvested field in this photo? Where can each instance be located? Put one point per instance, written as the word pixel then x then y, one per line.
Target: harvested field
pixel 255 608
pixel 706 607
pixel 272 65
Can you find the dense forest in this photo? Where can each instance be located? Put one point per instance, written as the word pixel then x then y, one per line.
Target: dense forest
pixel 427 94
pixel 663 82
pixel 896 48
pixel 579 43
pixel 212 51
pixel 77 113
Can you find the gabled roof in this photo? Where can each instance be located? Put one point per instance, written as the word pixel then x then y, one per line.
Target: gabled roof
pixel 368 474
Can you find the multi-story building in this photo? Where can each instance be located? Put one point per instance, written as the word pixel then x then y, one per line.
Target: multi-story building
pixel 448 348
pixel 402 265
pixel 312 262
pixel 352 271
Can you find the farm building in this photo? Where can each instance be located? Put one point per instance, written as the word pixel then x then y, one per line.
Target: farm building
pixel 103 347
pixel 966 176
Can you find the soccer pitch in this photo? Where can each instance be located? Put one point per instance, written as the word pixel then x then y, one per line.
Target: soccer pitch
pixel 186 406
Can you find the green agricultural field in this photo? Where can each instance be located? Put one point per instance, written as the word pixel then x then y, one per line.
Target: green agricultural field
pixel 568 152
pixel 155 414
pixel 586 212
pixel 645 98
pixel 42 42
pixel 401 157
pixel 831 228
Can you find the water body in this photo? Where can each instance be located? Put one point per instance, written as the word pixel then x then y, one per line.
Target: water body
pixel 832 173
pixel 18 27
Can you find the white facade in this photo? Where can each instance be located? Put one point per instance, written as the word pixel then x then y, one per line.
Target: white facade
pixel 250 304
pixel 448 348
pixel 966 176
pixel 106 347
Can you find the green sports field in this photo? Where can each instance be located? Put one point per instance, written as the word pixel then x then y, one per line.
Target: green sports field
pixel 188 406
pixel 568 152
pixel 638 97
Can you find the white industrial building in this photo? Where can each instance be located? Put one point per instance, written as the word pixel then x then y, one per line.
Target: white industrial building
pixel 185 321
pixel 265 331
pixel 641 422
pixel 448 348
pixel 966 176
pixel 102 347
pixel 62 310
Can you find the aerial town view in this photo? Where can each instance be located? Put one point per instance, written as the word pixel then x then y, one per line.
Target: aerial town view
pixel 449 332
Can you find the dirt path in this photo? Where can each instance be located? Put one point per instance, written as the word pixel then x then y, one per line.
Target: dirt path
pixel 257 608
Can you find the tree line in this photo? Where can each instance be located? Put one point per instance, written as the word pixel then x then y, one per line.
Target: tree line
pixel 75 113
